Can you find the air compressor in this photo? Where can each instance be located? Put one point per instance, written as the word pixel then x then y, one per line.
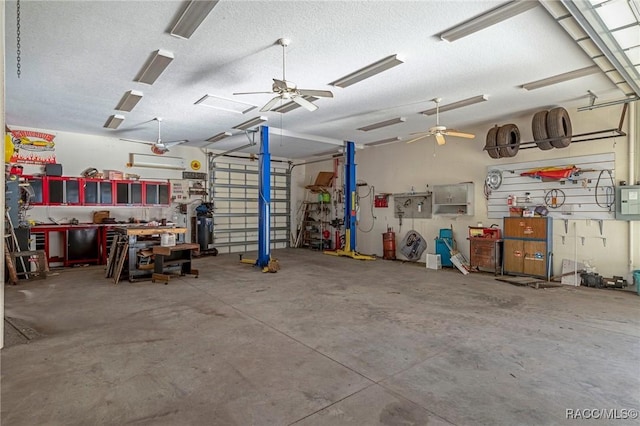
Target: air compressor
pixel 204 228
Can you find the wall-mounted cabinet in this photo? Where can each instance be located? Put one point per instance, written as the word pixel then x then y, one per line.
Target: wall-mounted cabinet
pixel 98 192
pixel 72 191
pixel 455 199
pixel 128 193
pixel 63 191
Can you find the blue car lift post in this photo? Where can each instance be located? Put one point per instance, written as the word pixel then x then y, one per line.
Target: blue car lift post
pixel 264 207
pixel 350 225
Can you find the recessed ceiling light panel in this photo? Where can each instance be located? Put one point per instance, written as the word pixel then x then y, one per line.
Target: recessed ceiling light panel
pixel 114 121
pixel 129 100
pixel 157 63
pixel 224 104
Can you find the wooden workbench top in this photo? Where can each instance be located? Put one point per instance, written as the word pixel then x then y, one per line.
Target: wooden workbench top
pixel 151 230
pixel 167 250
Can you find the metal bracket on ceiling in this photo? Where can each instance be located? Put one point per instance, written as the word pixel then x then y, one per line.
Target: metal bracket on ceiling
pixel 592 98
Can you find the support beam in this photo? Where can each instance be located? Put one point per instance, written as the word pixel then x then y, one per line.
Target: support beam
pixel 350 207
pixel 264 200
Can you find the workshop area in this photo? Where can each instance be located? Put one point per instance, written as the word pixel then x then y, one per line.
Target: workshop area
pixel 376 343
pixel 320 212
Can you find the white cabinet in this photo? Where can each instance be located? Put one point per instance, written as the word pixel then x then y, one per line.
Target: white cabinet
pixel 455 199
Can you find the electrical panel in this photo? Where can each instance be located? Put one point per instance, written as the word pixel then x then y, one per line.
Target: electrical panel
pixel 628 202
pixel 412 206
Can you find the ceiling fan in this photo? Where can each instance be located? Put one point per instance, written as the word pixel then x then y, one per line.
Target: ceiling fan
pixel 158 147
pixel 440 131
pixel 287 90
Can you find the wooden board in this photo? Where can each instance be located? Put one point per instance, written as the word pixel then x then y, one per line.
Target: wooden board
pixel 112 253
pixel 120 264
pixel 153 230
pixel 167 250
pixel 13 274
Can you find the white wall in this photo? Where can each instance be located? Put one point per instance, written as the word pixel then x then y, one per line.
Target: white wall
pixel 76 152
pixel 397 167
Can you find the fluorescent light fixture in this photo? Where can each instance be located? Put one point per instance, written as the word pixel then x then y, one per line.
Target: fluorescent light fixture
pixel 251 123
pixel 224 104
pixel 485 20
pixel 156 64
pixel 114 121
pixel 383 124
pixel 193 15
pixel 368 71
pixel 384 141
pixel 155 161
pixel 290 106
pixel 129 100
pixel 560 78
pixel 455 105
pixel 219 137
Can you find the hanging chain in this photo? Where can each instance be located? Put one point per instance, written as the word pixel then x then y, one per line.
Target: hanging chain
pixel 18 37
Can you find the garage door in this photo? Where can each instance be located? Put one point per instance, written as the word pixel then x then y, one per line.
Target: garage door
pixel 234 189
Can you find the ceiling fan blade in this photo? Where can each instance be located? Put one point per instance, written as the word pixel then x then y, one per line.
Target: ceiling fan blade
pixel 253 93
pixel 137 141
pixel 317 93
pixel 458 134
pixel 270 104
pixel 173 143
pixel 426 135
pixel 304 103
pixel 440 138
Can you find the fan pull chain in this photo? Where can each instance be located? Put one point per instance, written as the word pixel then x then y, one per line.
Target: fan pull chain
pixel 18 37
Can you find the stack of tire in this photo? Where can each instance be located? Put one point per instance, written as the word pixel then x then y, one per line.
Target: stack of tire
pixel 503 141
pixel 552 129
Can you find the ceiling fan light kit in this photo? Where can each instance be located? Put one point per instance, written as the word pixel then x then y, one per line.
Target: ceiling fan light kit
pixel 158 147
pixel 287 90
pixel 368 71
pixel 381 124
pixel 129 100
pixel 114 121
pixel 485 20
pixel 251 123
pixel 194 14
pixel 439 131
pixel 455 105
pixel 159 61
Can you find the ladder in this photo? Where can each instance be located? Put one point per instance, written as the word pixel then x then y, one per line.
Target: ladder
pixel 12 246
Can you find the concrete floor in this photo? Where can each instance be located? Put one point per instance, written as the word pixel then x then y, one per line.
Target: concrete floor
pixel 325 341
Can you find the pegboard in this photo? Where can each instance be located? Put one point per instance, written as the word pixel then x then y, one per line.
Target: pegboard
pixel 580 201
pixel 412 206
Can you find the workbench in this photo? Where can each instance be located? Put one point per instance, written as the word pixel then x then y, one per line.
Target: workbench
pixel 169 260
pixel 144 237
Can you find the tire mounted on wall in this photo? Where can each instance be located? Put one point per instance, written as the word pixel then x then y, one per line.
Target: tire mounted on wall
pixel 539 128
pixel 491 143
pixel 508 134
pixel 559 126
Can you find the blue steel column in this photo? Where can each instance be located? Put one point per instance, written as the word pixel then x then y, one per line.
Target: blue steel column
pixel 264 200
pixel 350 196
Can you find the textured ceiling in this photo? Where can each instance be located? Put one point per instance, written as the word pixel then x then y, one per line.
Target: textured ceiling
pixel 79 57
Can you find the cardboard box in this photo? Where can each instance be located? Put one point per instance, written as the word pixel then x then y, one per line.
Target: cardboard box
pixel 322 183
pixel 113 174
pixel 100 215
